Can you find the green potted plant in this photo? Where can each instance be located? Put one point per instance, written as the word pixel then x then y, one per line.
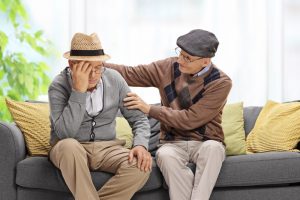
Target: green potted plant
pixel 20 78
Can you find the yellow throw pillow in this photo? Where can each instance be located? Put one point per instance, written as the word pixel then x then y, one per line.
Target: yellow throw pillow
pixel 233 127
pixel 277 128
pixel 123 131
pixel 33 121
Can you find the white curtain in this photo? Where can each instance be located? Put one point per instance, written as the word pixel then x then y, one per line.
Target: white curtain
pixel 254 37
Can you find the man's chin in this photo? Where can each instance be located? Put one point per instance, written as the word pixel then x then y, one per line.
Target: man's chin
pixel 182 70
pixel 91 86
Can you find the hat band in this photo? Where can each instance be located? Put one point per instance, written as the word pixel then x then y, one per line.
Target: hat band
pixel 98 52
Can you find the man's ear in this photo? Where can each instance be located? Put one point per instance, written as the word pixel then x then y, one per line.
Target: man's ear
pixel 70 64
pixel 206 61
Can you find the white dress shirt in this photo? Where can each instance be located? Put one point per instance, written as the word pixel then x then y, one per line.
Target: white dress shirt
pixel 94 100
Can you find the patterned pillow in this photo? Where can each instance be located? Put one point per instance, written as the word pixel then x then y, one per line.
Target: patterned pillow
pixel 277 128
pixel 33 121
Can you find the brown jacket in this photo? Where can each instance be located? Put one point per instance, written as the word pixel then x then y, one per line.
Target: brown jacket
pixel 191 106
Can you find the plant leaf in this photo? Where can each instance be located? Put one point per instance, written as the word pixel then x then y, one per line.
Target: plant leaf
pixel 3 41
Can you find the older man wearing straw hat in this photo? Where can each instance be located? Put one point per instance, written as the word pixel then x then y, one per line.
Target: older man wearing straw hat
pixel 84 101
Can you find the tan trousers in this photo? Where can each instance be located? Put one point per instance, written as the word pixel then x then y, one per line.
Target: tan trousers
pixel 75 160
pixel 172 159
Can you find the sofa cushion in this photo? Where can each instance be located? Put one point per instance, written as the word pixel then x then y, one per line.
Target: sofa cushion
pixel 269 168
pixel 123 131
pixel 40 173
pixel 33 121
pixel 260 169
pixel 277 128
pixel 233 126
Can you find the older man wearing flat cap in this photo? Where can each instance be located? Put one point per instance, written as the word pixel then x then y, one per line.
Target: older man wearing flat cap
pixel 84 101
pixel 193 93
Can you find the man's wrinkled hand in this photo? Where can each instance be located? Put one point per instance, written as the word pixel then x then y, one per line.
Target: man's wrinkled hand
pixel 144 159
pixel 133 101
pixel 80 76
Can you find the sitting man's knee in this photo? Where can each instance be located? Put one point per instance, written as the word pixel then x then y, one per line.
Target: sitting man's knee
pixel 68 145
pixel 66 149
pixel 213 146
pixel 133 167
pixel 165 153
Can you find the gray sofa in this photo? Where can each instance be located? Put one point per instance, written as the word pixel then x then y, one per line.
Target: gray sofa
pixel 263 176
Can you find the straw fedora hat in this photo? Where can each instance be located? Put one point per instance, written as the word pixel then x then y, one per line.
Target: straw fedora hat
pixel 86 47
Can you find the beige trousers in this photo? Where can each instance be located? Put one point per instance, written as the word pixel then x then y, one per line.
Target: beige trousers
pixel 75 160
pixel 172 159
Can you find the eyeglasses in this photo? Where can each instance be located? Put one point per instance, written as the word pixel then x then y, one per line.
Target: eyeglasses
pixel 97 70
pixel 185 58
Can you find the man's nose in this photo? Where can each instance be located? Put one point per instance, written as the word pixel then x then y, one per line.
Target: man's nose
pixel 180 60
pixel 92 73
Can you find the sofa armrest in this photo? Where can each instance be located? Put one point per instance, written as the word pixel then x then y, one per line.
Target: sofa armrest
pixel 12 150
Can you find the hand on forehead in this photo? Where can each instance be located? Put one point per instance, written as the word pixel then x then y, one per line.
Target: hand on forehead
pixel 93 63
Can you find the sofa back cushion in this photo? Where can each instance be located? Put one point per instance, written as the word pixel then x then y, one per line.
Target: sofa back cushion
pixel 250 115
pixel 32 118
pixel 154 136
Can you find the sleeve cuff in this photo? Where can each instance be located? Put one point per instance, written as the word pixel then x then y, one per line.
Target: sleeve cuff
pixel 155 111
pixel 145 145
pixel 78 97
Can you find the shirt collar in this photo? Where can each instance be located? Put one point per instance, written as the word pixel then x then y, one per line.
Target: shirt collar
pixel 202 71
pixel 99 84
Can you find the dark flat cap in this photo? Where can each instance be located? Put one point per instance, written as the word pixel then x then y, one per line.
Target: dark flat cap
pixel 199 43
